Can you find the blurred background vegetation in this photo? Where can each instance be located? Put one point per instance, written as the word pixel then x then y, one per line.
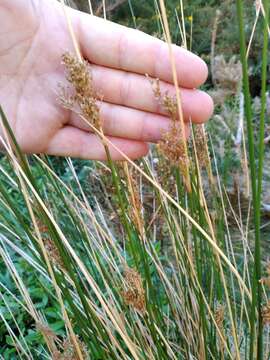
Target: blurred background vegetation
pixel 200 17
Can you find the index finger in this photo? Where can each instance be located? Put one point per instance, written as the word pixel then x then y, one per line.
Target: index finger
pixel 108 44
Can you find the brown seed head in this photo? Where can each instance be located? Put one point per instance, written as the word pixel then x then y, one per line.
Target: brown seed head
pixel 168 103
pixel 69 350
pixel 172 146
pixel 50 246
pixel 134 295
pixel 45 330
pixel 266 313
pixel 219 316
pixel 136 207
pixel 266 280
pixel 83 97
pixel 201 145
pixel 53 252
pixel 50 337
pixel 78 75
pixel 173 143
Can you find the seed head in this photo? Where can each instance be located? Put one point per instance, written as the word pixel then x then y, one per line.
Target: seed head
pixel 168 103
pixel 266 313
pixel 69 350
pixel 134 295
pixel 53 253
pixel 219 316
pixel 82 96
pixel 51 248
pixel 266 280
pixel 135 204
pixel 78 75
pixel 50 337
pixel 173 143
pixel 172 147
pixel 61 349
pixel 201 145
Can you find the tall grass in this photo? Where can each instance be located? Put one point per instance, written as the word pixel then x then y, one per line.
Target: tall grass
pixel 135 260
pixel 256 169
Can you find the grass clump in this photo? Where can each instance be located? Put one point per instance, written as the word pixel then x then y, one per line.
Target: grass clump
pixel 153 259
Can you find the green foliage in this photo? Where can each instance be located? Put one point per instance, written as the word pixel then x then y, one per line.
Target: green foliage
pixel 19 320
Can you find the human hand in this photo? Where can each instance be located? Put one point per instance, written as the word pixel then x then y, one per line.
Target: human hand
pixel 33 37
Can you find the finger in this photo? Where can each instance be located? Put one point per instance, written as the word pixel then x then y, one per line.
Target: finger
pixel 123 122
pixel 115 46
pixel 136 91
pixel 69 141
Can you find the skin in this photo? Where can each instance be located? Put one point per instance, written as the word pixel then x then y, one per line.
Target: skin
pixel 34 35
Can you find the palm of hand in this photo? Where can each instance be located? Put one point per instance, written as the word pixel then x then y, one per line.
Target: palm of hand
pixel 30 61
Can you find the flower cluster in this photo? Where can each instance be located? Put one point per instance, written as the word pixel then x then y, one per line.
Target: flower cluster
pixel 61 349
pixel 82 96
pixel 173 142
pixel 134 294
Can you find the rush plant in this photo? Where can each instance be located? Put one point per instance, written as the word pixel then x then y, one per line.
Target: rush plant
pixel 152 259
